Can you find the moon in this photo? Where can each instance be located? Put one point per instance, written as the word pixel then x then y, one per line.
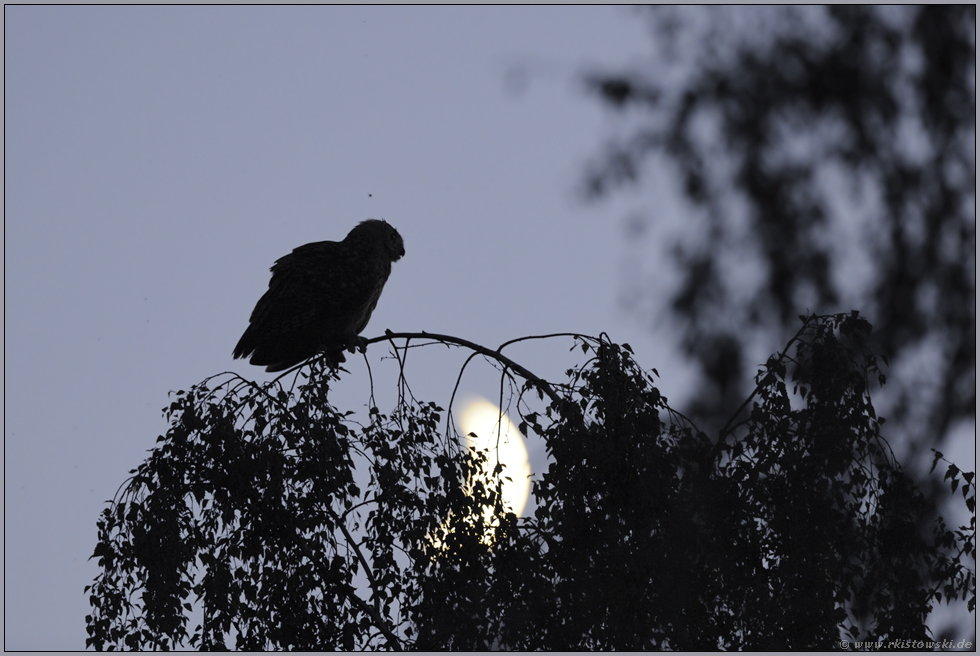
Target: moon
pixel 496 434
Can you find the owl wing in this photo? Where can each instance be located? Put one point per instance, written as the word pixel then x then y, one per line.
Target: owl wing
pixel 320 296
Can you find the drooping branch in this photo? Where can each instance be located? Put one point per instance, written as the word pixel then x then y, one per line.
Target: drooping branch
pixel 373 613
pixel 723 433
pixel 539 382
pixel 368 571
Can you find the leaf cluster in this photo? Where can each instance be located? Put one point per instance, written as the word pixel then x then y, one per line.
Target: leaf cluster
pixel 809 139
pixel 269 509
pixel 266 518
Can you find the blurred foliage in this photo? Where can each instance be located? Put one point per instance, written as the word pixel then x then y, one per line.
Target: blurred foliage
pixel 830 151
pixel 268 519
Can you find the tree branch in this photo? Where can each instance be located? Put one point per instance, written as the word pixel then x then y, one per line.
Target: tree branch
pixel 374 613
pixel 540 383
pixel 723 433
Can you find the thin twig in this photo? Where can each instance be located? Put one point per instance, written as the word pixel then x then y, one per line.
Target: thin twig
pixel 542 384
pixel 723 433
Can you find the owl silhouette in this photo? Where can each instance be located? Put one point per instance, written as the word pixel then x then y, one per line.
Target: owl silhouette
pixel 321 297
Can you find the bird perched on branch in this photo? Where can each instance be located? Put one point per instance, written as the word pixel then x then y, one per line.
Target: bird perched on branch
pixel 321 297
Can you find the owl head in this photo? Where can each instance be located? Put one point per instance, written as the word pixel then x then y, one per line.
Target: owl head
pixel 378 234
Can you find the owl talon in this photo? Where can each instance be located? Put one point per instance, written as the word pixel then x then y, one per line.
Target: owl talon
pixel 357 343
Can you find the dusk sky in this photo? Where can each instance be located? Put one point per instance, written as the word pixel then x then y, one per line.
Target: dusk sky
pixel 158 160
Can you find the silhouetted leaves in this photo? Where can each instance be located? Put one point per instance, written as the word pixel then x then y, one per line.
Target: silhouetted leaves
pixel 831 150
pixel 266 518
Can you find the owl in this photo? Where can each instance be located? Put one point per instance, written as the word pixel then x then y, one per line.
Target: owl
pixel 321 297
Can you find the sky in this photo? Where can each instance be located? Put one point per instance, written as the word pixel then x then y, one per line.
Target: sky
pixel 159 160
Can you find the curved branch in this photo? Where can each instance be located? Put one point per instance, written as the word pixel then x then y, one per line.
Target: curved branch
pixel 374 613
pixel 350 540
pixel 452 397
pixel 540 383
pixel 530 337
pixel 723 433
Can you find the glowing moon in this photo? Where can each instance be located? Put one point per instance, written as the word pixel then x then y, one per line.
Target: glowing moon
pixel 504 443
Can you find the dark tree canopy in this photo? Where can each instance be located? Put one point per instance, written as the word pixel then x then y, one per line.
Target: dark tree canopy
pixel 266 518
pixel 833 149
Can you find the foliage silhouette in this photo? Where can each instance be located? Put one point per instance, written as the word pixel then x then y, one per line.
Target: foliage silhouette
pixel 267 518
pixel 828 154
